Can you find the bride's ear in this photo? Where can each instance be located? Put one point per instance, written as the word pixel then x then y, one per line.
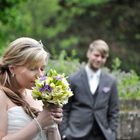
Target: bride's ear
pixel 12 69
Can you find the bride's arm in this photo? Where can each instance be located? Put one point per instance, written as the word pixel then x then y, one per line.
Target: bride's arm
pixel 52 130
pixel 53 133
pixel 3 115
pixel 27 133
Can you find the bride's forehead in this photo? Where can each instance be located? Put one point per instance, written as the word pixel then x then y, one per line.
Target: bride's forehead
pixel 37 64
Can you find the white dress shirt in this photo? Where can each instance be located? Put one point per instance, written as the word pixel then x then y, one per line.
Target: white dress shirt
pixel 93 78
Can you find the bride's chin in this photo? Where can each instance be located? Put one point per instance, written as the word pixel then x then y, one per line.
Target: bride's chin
pixel 31 85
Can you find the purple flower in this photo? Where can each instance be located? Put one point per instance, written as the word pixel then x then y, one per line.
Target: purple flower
pixel 43 78
pixel 45 87
pixel 58 78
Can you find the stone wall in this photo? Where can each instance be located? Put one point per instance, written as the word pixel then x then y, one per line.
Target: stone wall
pixel 129 125
pixel 129 120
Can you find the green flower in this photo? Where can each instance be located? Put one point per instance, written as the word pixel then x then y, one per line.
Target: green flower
pixel 52 89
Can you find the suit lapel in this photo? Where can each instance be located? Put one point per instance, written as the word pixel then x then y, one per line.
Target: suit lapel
pixel 85 83
pixel 100 88
pixel 102 82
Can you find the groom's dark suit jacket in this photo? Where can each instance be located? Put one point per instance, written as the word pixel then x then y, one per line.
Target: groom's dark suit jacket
pixel 81 111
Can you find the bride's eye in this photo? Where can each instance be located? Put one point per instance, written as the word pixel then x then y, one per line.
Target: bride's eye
pixel 32 69
pixel 42 69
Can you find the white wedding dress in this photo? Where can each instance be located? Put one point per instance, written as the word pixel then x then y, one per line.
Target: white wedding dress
pixel 17 119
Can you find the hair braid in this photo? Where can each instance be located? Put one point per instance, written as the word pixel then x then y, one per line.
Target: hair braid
pixel 19 101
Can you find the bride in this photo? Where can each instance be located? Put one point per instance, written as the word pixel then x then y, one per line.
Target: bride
pixel 22 117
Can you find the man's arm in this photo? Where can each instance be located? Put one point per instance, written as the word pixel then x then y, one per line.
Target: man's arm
pixel 113 108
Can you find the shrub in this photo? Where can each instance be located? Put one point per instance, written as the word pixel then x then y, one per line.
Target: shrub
pixel 64 66
pixel 128 82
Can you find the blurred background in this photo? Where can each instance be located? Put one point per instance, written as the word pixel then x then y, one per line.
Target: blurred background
pixel 67 27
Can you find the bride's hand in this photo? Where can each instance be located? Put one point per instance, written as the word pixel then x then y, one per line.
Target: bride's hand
pixel 45 118
pixel 57 113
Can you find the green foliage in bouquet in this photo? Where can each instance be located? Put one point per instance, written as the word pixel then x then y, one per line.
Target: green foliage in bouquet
pixel 52 89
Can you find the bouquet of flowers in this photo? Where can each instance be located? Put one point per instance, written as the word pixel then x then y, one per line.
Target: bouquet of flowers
pixel 52 89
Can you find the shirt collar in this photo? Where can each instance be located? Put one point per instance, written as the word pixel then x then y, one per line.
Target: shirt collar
pixel 91 73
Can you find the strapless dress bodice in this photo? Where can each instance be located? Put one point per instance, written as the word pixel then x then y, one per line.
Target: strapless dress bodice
pixel 17 119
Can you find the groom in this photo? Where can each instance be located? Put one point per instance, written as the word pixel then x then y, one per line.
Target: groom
pixel 92 113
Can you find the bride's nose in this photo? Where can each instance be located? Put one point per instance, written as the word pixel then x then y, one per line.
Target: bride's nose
pixel 40 73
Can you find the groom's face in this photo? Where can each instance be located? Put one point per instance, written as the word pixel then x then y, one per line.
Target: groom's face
pixel 96 60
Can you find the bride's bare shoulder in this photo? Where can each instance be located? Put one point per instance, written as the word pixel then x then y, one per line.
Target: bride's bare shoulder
pixel 2 95
pixel 3 100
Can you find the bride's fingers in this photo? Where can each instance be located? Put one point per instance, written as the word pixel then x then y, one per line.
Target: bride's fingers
pixel 57 115
pixel 55 110
pixel 58 120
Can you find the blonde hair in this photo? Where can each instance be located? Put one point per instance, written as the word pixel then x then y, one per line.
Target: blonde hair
pixel 99 45
pixel 23 51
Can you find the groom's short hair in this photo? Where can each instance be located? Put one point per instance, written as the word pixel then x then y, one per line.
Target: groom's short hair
pixel 101 46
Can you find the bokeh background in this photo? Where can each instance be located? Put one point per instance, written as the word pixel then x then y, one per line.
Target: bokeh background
pixel 69 26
